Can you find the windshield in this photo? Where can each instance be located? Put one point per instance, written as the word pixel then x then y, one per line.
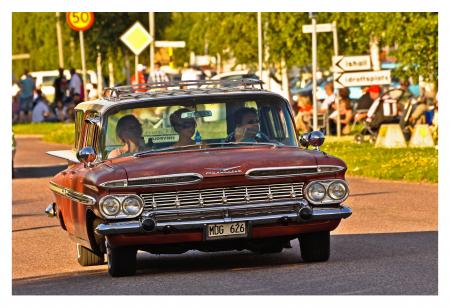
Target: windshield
pixel 198 124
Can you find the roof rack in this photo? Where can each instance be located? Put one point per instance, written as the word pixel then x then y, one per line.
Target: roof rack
pixel 180 88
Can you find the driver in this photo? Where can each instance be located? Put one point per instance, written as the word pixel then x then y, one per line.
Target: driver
pixel 247 126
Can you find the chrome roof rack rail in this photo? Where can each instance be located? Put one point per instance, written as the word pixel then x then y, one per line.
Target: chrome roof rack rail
pixel 180 88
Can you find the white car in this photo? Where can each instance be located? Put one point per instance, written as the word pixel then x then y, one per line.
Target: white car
pixel 44 80
pixel 233 75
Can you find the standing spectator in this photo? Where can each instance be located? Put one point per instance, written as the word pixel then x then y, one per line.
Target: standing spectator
pixel 141 75
pixel 158 75
pixel 304 114
pixel 60 85
pixel 345 112
pixel 329 100
pixel 75 84
pixel 189 73
pixel 27 87
pixel 41 111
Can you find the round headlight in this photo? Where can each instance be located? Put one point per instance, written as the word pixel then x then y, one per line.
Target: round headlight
pixel 337 190
pixel 132 205
pixel 110 206
pixel 316 191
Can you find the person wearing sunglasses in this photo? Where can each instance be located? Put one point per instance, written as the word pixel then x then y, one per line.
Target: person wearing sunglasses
pixel 185 127
pixel 247 126
pixel 129 132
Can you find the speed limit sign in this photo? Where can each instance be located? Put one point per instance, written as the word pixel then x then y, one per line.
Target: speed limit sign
pixel 80 21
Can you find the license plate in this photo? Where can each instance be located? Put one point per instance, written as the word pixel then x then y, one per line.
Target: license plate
pixel 217 231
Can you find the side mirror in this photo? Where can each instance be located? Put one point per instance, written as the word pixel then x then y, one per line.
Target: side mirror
pixel 316 139
pixel 87 155
pixel 304 140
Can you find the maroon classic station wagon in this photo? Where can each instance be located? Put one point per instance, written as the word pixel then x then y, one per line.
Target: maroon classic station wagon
pixel 204 165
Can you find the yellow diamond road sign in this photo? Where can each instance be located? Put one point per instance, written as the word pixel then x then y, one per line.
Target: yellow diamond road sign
pixel 136 38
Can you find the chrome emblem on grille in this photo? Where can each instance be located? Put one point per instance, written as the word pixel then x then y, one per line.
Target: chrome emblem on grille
pixel 221 171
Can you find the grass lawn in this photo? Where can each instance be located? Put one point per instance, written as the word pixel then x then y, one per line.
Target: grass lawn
pixel 62 133
pixel 410 164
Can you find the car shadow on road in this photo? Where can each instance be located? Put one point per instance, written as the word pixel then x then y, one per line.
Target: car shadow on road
pixel 38 171
pixel 381 260
pixel 34 228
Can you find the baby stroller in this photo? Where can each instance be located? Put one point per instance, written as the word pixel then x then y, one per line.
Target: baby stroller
pixel 384 110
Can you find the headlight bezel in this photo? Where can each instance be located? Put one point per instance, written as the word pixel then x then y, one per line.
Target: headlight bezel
pixel 310 187
pixel 337 183
pixel 122 214
pixel 141 205
pixel 327 199
pixel 103 211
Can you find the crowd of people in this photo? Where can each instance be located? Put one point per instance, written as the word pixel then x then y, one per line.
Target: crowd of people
pixel 29 104
pixel 371 108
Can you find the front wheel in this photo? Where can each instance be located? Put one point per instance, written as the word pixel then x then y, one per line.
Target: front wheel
pixel 86 257
pixel 315 247
pixel 121 261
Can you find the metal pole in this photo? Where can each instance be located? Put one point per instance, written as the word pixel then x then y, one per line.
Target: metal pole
pixel 151 24
pixel 136 63
pixel 99 73
pixel 59 38
pixel 338 98
pixel 83 63
pixel 260 52
pixel 335 39
pixel 314 70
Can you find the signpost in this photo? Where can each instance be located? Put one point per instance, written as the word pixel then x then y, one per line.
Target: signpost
pixel 362 78
pixel 321 27
pixel 137 39
pixel 356 71
pixel 351 63
pixel 81 21
pixel 314 29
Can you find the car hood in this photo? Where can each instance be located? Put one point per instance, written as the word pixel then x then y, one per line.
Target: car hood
pixel 220 162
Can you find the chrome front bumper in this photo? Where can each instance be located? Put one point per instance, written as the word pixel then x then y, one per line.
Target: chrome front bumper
pixel 316 214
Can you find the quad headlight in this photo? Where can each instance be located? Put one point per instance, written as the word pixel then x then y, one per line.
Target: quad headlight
pixel 337 190
pixel 326 191
pixel 317 191
pixel 110 206
pixel 132 205
pixel 121 206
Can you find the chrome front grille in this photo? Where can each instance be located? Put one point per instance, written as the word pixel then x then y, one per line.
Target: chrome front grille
pixel 222 196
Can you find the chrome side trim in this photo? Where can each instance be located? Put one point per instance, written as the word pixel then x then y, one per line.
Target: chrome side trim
pixel 199 178
pixel 131 227
pixel 71 194
pixel 107 184
pixel 320 169
pixel 114 184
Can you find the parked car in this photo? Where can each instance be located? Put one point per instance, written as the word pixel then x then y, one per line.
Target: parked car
pixel 44 80
pixel 209 169
pixel 235 75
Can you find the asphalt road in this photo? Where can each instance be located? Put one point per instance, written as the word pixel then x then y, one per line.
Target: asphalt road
pixel 388 246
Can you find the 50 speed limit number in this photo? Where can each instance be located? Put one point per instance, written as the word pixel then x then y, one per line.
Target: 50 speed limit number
pixel 80 21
